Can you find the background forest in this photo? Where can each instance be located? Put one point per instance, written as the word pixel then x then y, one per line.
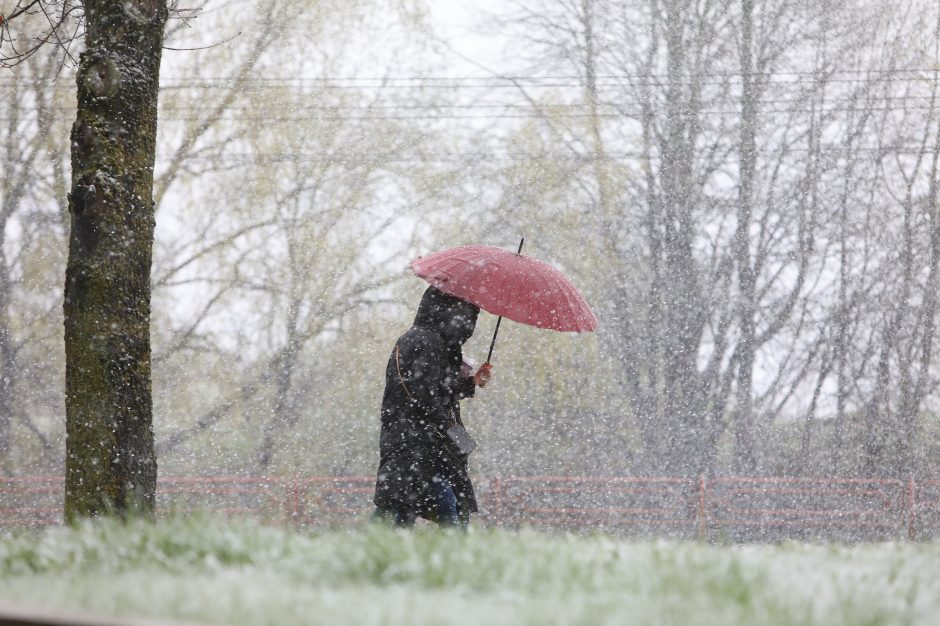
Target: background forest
pixel 746 192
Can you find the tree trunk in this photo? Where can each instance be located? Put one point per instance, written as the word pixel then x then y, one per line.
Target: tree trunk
pixel 745 459
pixel 110 461
pixel 283 415
pixel 682 309
pixel 8 368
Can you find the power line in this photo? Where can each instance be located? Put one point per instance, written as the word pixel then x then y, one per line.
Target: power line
pixel 576 80
pixel 532 115
pixel 514 82
pixel 827 104
pixel 512 77
pixel 516 105
pixel 393 157
pixel 259 84
pixel 621 110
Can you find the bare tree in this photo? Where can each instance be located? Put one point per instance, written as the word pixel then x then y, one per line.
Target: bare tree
pixel 31 109
pixel 903 372
pixel 714 296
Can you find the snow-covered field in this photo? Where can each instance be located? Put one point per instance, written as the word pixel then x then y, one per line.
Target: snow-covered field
pixel 210 570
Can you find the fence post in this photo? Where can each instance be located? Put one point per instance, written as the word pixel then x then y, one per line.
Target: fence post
pixel 294 514
pixel 701 507
pixel 911 508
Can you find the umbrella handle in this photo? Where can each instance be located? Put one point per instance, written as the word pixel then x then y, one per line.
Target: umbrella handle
pixel 495 332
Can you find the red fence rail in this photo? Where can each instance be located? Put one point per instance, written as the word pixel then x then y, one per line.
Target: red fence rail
pixel 614 503
pixel 730 508
pixel 806 508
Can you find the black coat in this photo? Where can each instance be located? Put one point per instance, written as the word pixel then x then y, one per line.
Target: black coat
pixel 418 405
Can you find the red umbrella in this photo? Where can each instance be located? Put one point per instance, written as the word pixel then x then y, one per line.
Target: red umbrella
pixel 508 284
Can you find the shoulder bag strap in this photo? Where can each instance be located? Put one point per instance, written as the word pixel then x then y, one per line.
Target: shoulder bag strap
pixel 405 387
pixel 398 367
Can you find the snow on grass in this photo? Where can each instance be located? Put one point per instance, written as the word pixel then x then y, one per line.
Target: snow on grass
pixel 215 571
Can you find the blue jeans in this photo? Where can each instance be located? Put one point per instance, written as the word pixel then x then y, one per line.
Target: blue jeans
pixel 443 509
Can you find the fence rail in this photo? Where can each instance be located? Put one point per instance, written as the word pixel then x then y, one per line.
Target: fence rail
pixel 732 508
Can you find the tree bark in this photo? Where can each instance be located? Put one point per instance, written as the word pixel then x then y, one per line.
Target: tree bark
pixel 745 459
pixel 110 461
pixel 8 370
pixel 683 311
pixel 7 364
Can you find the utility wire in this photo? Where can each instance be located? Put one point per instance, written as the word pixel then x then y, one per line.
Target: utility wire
pixel 532 115
pixel 514 82
pixel 369 157
pixel 625 110
pixel 488 77
pixel 491 105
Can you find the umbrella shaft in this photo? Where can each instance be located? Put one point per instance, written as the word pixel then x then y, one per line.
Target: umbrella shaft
pixel 493 343
pixel 495 332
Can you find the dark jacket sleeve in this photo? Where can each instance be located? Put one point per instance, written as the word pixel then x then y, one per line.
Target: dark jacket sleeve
pixel 421 364
pixel 464 387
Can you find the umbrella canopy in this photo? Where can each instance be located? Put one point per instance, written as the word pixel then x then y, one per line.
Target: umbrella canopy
pixel 508 284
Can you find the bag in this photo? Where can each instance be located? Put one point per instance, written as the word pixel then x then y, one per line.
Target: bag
pixel 460 440
pixel 457 441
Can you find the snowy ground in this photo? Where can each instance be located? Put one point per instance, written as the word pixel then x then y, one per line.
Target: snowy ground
pixel 208 570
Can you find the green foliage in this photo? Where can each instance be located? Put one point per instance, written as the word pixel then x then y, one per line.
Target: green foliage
pixel 239 573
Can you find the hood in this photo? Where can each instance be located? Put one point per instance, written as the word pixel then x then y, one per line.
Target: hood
pixel 448 315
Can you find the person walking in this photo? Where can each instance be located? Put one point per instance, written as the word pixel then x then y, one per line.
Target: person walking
pixel 423 446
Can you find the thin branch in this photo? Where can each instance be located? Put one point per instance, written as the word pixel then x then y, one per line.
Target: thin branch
pixel 213 45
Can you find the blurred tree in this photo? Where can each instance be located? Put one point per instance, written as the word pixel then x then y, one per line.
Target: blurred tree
pixel 904 373
pixel 303 204
pixel 31 107
pixel 703 167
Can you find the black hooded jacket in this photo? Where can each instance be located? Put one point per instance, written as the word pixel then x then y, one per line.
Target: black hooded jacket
pixel 423 387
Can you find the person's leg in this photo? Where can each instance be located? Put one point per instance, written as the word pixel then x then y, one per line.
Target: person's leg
pixel 464 517
pixel 382 516
pixel 394 517
pixel 444 503
pixel 404 519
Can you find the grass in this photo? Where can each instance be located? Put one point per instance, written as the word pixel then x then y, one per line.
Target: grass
pixel 215 571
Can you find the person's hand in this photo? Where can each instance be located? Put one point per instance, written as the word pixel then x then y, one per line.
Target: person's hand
pixel 483 374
